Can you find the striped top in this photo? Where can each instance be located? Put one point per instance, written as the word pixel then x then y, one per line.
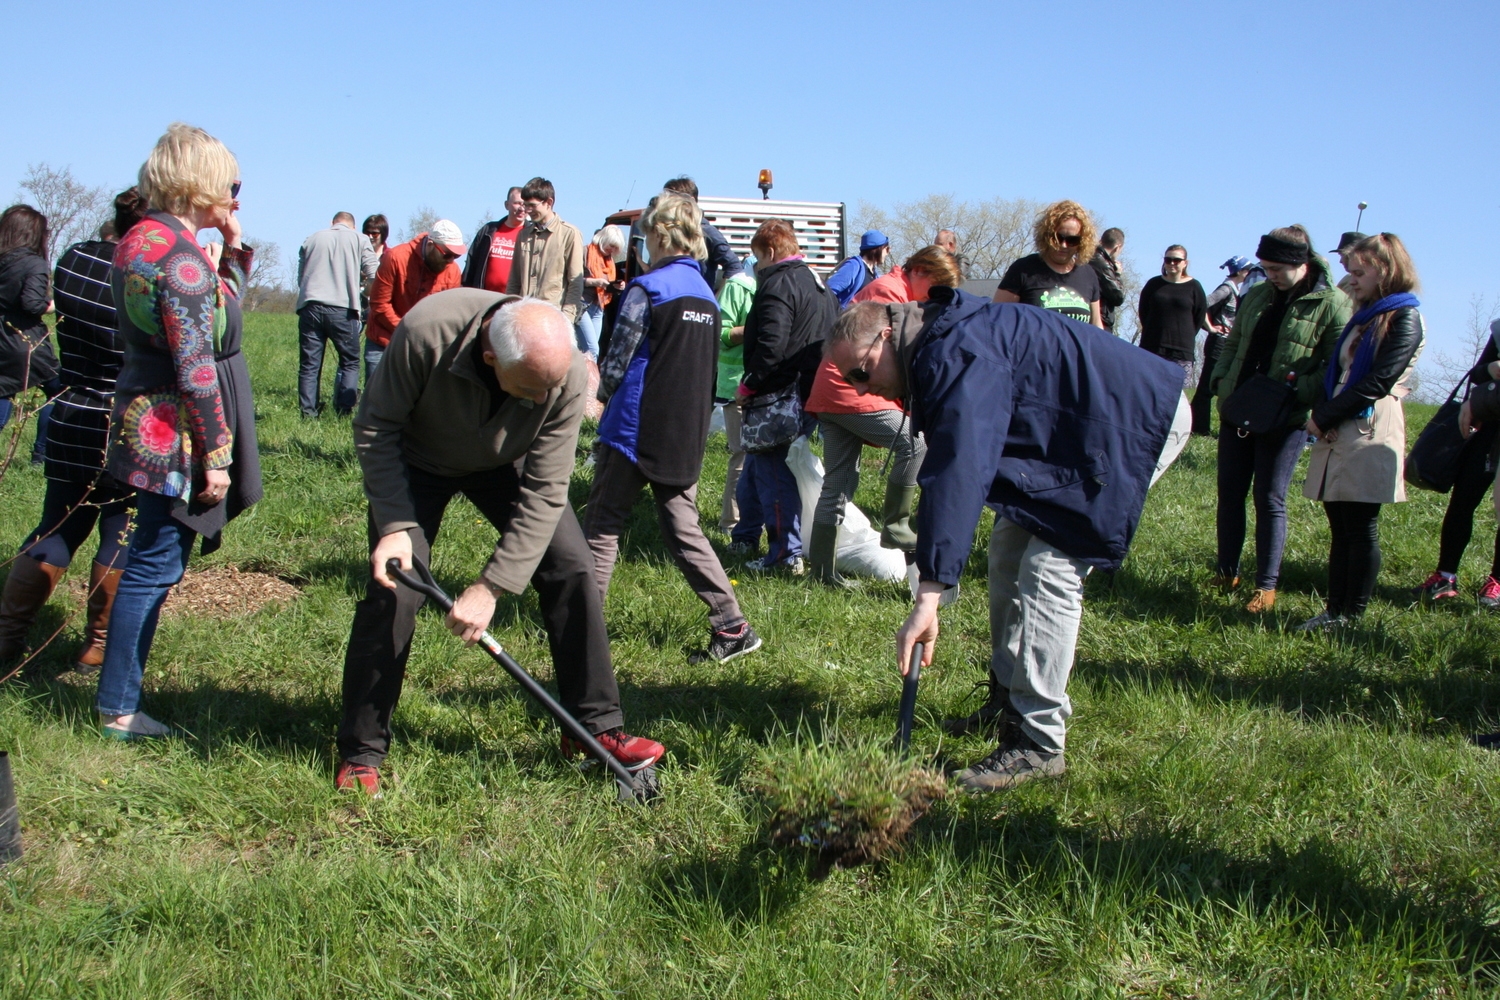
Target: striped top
pixel 91 356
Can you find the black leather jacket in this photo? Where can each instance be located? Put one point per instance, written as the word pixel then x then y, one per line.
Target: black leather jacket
pixel 1111 287
pixel 1403 338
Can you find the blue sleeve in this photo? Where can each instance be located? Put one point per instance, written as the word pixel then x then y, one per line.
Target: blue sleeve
pixel 965 409
pixel 841 281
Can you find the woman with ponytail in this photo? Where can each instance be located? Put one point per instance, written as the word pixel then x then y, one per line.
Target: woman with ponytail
pixel 1356 463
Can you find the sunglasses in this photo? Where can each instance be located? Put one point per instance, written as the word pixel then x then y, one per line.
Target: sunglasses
pixel 1174 260
pixel 234 190
pixel 1068 241
pixel 859 374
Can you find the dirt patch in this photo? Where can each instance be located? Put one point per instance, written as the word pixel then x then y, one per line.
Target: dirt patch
pixel 227 592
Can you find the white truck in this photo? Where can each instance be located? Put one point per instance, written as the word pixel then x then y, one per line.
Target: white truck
pixel 820 225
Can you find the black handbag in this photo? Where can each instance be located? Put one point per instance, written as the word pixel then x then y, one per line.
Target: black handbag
pixel 1435 459
pixel 770 419
pixel 1260 405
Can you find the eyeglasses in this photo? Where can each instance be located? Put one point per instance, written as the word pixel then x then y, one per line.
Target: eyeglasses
pixel 1174 260
pixel 859 374
pixel 234 190
pixel 1068 241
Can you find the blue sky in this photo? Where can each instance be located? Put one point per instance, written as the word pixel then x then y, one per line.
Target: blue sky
pixel 1201 124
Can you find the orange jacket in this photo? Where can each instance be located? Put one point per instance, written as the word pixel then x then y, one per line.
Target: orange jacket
pixel 402 281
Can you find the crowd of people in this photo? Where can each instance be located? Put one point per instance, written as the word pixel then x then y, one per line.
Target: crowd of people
pixel 477 381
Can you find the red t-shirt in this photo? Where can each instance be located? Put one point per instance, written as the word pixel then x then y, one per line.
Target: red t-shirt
pixel 502 252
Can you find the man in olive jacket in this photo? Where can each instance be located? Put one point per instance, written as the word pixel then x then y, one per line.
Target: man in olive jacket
pixel 479 394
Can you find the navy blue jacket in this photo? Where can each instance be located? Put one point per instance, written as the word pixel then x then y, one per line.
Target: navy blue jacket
pixel 1056 424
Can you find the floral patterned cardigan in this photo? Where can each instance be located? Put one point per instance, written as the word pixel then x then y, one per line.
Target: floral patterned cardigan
pixel 178 321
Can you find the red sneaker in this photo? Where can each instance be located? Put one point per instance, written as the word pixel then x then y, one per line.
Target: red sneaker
pixel 1437 587
pixel 361 776
pixel 1489 593
pixel 635 752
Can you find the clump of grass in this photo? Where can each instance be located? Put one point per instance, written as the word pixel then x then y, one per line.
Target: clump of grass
pixel 851 803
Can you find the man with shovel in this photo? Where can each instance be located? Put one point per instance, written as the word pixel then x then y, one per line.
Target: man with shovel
pixel 1060 428
pixel 480 394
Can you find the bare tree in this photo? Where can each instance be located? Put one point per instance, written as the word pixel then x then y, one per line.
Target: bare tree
pixel 991 234
pixel 74 210
pixel 269 288
pixel 421 221
pixel 1440 371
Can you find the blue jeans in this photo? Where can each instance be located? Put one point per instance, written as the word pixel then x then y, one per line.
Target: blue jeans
pixel 588 329
pixel 767 493
pixel 1267 460
pixel 373 353
pixel 156 560
pixel 317 326
pixel 5 407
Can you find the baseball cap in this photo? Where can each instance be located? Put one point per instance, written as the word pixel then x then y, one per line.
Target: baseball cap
pixel 1348 240
pixel 448 235
pixel 871 239
pixel 1235 264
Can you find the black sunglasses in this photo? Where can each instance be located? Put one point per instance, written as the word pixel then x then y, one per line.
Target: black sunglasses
pixel 859 375
pixel 1174 260
pixel 234 190
pixel 1069 241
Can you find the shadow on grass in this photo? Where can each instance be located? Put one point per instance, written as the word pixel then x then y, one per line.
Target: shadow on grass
pixel 753 886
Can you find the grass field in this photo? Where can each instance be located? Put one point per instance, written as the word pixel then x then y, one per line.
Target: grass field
pixel 1247 812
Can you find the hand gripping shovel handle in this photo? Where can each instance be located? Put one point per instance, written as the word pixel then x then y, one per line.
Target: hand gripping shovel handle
pixel 424 584
pixel 908 708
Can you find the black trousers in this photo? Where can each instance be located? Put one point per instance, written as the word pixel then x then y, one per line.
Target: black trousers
pixel 572 612
pixel 1473 482
pixel 1203 399
pixel 1353 555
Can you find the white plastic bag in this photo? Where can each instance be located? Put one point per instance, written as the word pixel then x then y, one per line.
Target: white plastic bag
pixel 857 551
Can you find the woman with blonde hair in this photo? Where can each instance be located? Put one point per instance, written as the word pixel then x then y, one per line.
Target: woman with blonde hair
pixel 849 421
pixel 657 384
pixel 182 433
pixel 1058 275
pixel 1356 463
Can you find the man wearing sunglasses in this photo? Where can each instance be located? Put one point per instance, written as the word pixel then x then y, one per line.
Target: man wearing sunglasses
pixel 422 266
pixel 1059 428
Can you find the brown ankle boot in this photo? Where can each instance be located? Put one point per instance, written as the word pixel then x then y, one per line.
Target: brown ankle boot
pixel 103 582
pixel 1261 602
pixel 26 589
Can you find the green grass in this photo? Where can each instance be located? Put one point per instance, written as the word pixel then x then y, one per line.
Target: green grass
pixel 1247 812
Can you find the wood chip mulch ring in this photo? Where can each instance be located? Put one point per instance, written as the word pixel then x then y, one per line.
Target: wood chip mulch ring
pixel 227 592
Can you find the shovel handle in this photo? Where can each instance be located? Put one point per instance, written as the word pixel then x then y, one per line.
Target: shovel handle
pixel 908 710
pixel 424 584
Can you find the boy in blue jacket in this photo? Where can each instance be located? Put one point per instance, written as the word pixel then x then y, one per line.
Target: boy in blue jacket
pixel 1060 428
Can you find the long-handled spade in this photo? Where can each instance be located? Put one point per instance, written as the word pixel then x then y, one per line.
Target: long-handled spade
pixel 638 787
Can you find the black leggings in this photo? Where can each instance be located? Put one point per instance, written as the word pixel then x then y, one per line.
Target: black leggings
pixel 1353 555
pixel 1473 482
pixel 70 512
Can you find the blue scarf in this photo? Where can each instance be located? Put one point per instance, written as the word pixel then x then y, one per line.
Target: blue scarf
pixel 1364 354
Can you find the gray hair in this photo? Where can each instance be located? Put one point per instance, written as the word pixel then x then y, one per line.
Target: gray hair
pixel 505 335
pixel 609 240
pixel 860 324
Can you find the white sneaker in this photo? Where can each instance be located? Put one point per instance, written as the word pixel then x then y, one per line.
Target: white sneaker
pixel 138 726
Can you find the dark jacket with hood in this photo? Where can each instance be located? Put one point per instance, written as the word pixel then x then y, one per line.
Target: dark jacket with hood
pixel 1056 424
pixel 26 356
pixel 790 318
pixel 1111 286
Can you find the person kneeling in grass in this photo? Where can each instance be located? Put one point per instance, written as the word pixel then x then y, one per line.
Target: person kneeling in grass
pixel 480 394
pixel 1060 427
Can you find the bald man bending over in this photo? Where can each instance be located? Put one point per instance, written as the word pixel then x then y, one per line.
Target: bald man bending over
pixel 474 382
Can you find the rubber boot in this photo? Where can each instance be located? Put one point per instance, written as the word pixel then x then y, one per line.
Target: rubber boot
pixel 10 817
pixel 895 518
pixel 820 555
pixel 103 582
pixel 27 588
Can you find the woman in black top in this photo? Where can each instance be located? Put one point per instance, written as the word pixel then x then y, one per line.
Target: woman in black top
pixel 1172 310
pixel 1058 275
pixel 1474 478
pixel 79 496
pixel 26 357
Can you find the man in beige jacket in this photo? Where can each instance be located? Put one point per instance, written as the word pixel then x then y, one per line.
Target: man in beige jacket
pixel 548 263
pixel 478 394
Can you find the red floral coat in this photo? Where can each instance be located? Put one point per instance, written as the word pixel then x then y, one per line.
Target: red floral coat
pixel 176 317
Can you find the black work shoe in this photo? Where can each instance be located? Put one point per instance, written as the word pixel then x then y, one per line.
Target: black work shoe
pixel 725 646
pixel 1014 761
pixel 989 717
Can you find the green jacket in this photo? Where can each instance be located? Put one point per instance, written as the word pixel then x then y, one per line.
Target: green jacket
pixel 734 306
pixel 1304 344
